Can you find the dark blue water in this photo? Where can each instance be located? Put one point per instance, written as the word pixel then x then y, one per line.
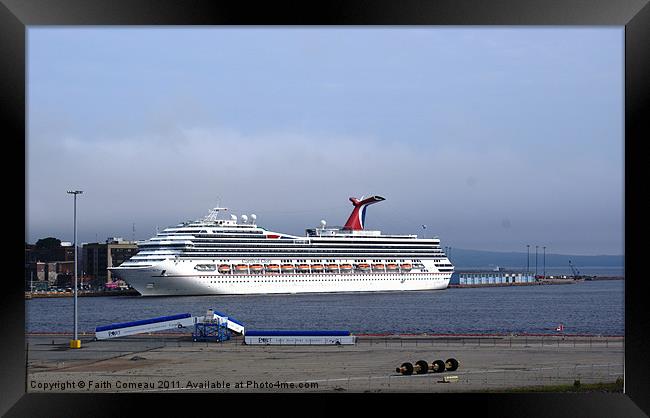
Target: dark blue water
pixel 595 308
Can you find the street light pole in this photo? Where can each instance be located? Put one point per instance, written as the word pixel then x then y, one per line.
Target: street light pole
pixel 536 247
pixel 527 259
pixel 544 261
pixel 75 343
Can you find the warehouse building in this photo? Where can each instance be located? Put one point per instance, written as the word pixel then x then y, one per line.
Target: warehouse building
pixel 490 277
pixel 48 263
pixel 97 257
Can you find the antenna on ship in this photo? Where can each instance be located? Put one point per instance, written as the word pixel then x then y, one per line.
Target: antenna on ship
pixel 214 213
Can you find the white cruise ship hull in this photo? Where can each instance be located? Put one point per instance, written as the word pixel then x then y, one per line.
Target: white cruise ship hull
pixel 150 282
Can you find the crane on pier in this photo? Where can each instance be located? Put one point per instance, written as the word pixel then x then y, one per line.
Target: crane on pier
pixel 576 272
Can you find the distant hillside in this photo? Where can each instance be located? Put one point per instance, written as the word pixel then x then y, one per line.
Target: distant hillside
pixel 476 258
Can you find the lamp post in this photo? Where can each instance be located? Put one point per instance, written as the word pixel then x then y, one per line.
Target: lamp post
pixel 536 247
pixel 75 343
pixel 527 258
pixel 544 247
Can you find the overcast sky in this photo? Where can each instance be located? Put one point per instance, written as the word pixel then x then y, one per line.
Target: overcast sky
pixel 493 137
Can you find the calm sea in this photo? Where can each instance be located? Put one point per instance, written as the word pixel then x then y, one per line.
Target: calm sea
pixel 595 308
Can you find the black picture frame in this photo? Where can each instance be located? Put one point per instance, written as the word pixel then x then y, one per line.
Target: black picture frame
pixel 634 15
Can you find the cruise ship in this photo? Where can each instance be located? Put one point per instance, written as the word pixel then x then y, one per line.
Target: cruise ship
pixel 230 255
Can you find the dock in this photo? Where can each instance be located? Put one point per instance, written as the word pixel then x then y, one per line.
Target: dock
pixel 537 283
pixel 547 281
pixel 175 363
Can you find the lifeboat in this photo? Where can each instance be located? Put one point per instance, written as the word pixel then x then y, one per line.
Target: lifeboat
pixel 241 268
pixel 363 267
pixel 273 268
pixel 378 266
pixel 302 267
pixel 224 268
pixel 391 267
pixel 316 267
pixel 346 268
pixel 405 266
pixel 418 265
pixel 287 267
pixel 256 267
pixel 332 267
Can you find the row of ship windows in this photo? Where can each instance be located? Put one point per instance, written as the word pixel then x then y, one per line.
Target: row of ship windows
pixel 135 258
pixel 204 231
pixel 390 276
pixel 234 246
pixel 343 270
pixel 315 280
pixel 263 239
pixel 286 244
pixel 258 248
pixel 144 258
pixel 277 241
pixel 314 253
pixel 334 261
pixel 228 234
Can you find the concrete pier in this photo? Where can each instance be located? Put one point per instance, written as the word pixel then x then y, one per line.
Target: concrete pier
pixel 173 363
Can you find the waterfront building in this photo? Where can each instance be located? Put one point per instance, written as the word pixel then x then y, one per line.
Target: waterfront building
pixel 486 277
pixel 48 263
pixel 98 257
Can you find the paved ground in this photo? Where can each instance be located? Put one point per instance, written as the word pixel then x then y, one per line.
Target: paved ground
pixel 174 363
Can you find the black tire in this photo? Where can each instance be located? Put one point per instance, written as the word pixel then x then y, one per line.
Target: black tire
pixel 405 369
pixel 438 366
pixel 424 367
pixel 451 364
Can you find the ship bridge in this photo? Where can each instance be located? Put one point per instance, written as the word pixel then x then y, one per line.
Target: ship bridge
pixel 329 232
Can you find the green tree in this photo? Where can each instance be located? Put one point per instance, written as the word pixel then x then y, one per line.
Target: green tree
pixel 48 242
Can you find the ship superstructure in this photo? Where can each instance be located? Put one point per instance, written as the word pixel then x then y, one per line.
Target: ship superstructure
pixel 216 255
